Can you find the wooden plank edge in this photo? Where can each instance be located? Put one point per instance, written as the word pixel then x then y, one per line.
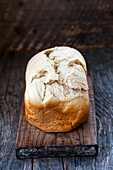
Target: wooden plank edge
pixel 39 152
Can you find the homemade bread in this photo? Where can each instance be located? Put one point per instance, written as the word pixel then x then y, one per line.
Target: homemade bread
pixel 56 94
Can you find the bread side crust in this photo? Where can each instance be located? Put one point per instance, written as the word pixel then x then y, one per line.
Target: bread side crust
pixel 58 116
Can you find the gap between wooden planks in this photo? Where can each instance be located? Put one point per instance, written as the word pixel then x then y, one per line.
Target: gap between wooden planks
pixel 82 141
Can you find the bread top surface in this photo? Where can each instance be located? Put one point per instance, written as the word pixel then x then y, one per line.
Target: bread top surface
pixel 56 74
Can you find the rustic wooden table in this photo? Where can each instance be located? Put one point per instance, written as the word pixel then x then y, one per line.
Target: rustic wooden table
pixel 27 27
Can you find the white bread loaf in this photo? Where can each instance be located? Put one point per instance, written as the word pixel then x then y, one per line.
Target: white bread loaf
pixel 56 94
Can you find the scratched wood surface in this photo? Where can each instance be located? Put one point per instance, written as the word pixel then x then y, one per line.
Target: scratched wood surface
pixel 34 143
pixel 39 24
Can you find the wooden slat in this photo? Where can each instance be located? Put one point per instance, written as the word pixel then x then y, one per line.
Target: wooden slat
pixel 11 85
pixel 41 24
pixel 69 163
pixel 32 142
pixel 47 164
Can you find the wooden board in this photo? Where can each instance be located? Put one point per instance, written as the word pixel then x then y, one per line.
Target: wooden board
pixel 42 24
pixel 33 142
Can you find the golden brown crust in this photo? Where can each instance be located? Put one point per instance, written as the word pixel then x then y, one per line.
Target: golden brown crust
pixel 58 116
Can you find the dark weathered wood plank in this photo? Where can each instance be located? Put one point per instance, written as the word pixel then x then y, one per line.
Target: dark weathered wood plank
pixel 69 163
pixel 42 24
pixel 11 85
pixel 47 164
pixel 33 142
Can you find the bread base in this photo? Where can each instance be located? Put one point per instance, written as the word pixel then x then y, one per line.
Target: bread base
pixel 58 116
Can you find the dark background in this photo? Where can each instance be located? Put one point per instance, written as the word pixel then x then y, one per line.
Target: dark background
pixel 29 26
pixel 39 24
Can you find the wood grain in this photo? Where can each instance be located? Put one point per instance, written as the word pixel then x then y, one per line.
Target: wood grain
pixel 33 142
pixel 100 67
pixel 37 25
pixel 48 163
pixel 11 85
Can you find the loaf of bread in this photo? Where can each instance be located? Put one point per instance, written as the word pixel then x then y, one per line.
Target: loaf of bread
pixel 56 94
